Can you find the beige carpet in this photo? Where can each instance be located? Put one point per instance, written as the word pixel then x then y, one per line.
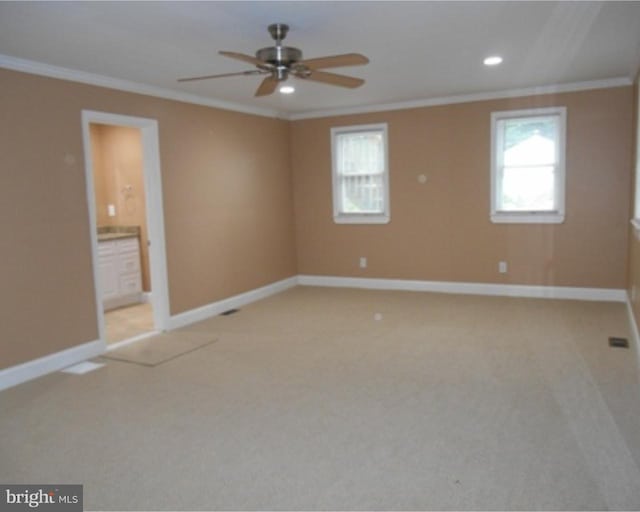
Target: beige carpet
pixel 325 399
pixel 161 348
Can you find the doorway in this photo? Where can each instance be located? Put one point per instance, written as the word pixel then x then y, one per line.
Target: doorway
pixel 125 207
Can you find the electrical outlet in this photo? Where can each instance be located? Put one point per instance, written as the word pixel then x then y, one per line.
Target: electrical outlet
pixel 111 210
pixel 363 262
pixel 502 267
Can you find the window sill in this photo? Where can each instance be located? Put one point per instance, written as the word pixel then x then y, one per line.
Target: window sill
pixel 361 219
pixel 527 218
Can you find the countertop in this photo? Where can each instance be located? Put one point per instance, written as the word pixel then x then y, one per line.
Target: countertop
pixel 106 233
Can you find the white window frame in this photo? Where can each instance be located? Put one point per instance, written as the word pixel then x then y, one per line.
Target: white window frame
pixel 341 217
pixel 555 216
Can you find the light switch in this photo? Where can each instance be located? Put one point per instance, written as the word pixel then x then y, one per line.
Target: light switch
pixel 111 210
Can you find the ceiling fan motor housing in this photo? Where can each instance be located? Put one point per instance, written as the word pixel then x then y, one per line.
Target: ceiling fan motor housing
pixel 276 55
pixel 281 58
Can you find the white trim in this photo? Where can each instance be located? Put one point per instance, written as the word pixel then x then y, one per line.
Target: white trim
pixel 30 370
pixel 236 301
pixel 467 98
pixel 635 334
pixel 39 68
pixel 527 218
pixel 147 298
pixel 154 210
pixel 507 290
pixel 129 341
pixel 636 164
pixel 20 373
pixel 130 299
pixel 636 228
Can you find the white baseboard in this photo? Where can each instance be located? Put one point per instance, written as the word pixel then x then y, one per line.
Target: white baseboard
pixel 38 367
pixel 124 300
pixel 32 369
pixel 18 374
pixel 507 290
pixel 146 297
pixel 215 308
pixel 129 341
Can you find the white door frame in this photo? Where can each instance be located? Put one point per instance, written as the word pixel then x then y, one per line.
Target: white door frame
pixel 154 212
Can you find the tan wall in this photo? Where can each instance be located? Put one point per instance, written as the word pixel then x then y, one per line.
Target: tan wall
pixel 634 237
pixel 119 180
pixel 100 186
pixel 227 201
pixel 441 230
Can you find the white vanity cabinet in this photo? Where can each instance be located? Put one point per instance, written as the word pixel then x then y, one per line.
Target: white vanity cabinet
pixel 120 276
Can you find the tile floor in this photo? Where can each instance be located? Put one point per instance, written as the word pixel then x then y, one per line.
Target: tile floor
pixel 127 322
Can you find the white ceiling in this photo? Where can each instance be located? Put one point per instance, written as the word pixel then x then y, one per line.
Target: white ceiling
pixel 418 50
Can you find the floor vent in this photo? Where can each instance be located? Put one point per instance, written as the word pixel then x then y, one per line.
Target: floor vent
pixel 229 312
pixel 618 342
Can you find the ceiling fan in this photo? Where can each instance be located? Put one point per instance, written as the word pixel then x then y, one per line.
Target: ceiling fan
pixel 279 62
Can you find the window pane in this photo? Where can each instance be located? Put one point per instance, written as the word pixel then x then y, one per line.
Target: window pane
pixel 360 153
pixel 530 141
pixel 528 189
pixel 362 194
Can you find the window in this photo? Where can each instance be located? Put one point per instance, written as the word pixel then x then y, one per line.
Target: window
pixel 528 165
pixel 360 174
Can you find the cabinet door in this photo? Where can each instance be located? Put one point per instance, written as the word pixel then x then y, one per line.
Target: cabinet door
pixel 108 277
pixel 129 263
pixel 130 284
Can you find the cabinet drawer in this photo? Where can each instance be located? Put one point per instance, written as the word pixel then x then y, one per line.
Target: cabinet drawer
pixel 128 245
pixel 129 263
pixel 130 283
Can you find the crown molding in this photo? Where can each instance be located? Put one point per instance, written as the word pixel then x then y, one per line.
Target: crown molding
pixel 39 68
pixel 467 98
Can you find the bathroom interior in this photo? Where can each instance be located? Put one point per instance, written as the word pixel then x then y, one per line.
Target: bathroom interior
pixel 123 255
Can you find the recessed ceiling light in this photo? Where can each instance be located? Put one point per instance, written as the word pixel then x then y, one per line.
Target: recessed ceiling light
pixel 494 60
pixel 287 89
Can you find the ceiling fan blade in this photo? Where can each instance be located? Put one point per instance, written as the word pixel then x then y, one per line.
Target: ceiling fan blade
pixel 333 79
pixel 267 86
pixel 245 58
pixel 335 61
pixel 206 77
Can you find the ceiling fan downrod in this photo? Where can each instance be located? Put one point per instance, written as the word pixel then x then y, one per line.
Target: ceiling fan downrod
pixel 280 57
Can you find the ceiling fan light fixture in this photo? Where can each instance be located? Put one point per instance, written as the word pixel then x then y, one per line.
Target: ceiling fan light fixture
pixel 287 89
pixel 492 60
